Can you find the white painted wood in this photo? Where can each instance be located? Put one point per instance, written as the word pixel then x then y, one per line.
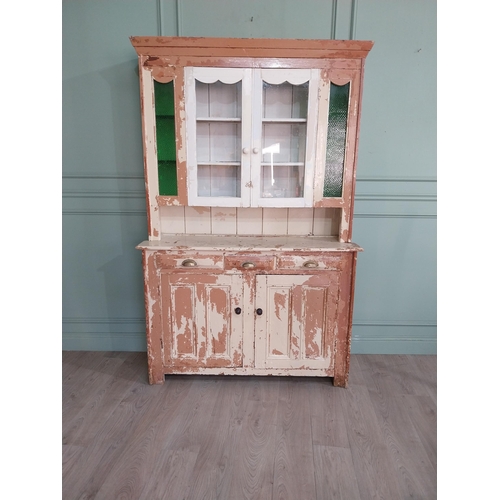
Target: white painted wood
pixel 300 221
pixel 207 242
pixel 212 142
pixel 204 327
pixel 293 76
pixel 275 185
pixel 275 221
pixel 151 159
pixel 223 220
pixel 323 224
pixel 249 221
pixel 290 332
pixel 219 141
pixel 255 221
pixel 322 130
pixel 198 220
pixel 172 219
pixel 212 75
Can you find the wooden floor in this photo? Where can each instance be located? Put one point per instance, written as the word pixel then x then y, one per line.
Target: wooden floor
pixel 235 438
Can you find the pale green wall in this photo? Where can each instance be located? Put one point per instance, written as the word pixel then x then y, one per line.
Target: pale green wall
pixel 103 185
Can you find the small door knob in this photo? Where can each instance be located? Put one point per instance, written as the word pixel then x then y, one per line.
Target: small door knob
pixel 238 310
pixel 246 151
pixel 255 150
pixel 259 311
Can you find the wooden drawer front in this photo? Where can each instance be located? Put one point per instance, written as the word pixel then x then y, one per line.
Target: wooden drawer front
pixel 198 261
pixel 309 262
pixel 249 262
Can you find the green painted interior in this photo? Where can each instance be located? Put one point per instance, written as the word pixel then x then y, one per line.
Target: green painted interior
pixel 104 209
pixel 165 138
pixel 336 140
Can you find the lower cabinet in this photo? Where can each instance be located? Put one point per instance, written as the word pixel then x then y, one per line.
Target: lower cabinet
pixel 249 315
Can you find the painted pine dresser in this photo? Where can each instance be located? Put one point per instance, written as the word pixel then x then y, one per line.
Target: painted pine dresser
pixel 250 150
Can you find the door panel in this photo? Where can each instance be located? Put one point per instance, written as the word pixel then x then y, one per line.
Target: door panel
pixel 295 329
pixel 200 326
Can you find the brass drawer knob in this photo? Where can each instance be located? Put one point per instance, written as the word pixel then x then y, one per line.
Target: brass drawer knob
pixel 189 263
pixel 248 265
pixel 310 263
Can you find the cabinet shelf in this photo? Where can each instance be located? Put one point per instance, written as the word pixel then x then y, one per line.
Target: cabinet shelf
pixel 283 164
pixel 218 119
pixel 284 120
pixel 219 163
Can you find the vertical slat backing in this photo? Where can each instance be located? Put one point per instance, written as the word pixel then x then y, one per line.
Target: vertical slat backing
pixel 250 221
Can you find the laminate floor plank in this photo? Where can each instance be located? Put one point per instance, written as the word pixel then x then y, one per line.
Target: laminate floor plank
pixel 389 389
pixel 220 442
pixel 79 429
pixel 327 416
pixel 240 438
pixel 335 474
pixel 71 361
pixel 370 455
pixel 98 373
pixel 103 453
pixel 253 471
pixel 423 414
pixel 294 462
pixel 134 469
pixel 425 367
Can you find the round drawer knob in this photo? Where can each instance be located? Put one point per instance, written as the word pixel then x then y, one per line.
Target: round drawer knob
pixel 238 310
pixel 246 151
pixel 189 263
pixel 255 150
pixel 259 311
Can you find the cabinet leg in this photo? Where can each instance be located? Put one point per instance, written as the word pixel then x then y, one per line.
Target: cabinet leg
pixel 156 376
pixel 339 382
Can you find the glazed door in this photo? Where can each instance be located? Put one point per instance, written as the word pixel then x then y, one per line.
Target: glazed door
pixel 202 320
pixel 251 136
pixel 218 117
pixel 284 123
pixel 295 317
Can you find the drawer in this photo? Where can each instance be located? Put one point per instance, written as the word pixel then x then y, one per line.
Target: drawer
pixel 249 262
pixel 309 262
pixel 196 261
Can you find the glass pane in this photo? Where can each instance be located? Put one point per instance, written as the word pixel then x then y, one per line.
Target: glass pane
pixel 336 140
pixel 280 181
pixel 165 138
pixel 283 142
pixel 218 142
pixel 284 100
pixel 218 100
pixel 284 128
pixel 219 180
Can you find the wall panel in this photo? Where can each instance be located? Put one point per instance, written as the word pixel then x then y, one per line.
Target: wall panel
pixel 103 185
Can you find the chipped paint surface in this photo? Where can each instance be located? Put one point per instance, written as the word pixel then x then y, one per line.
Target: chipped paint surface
pixel 191 323
pixel 305 323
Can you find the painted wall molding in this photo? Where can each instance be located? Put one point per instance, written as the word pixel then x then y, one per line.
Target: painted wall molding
pixel 129 334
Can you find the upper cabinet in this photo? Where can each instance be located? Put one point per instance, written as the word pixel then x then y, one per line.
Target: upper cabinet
pixel 250 123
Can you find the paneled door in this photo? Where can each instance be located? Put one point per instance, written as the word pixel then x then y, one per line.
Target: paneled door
pixel 202 320
pixel 295 318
